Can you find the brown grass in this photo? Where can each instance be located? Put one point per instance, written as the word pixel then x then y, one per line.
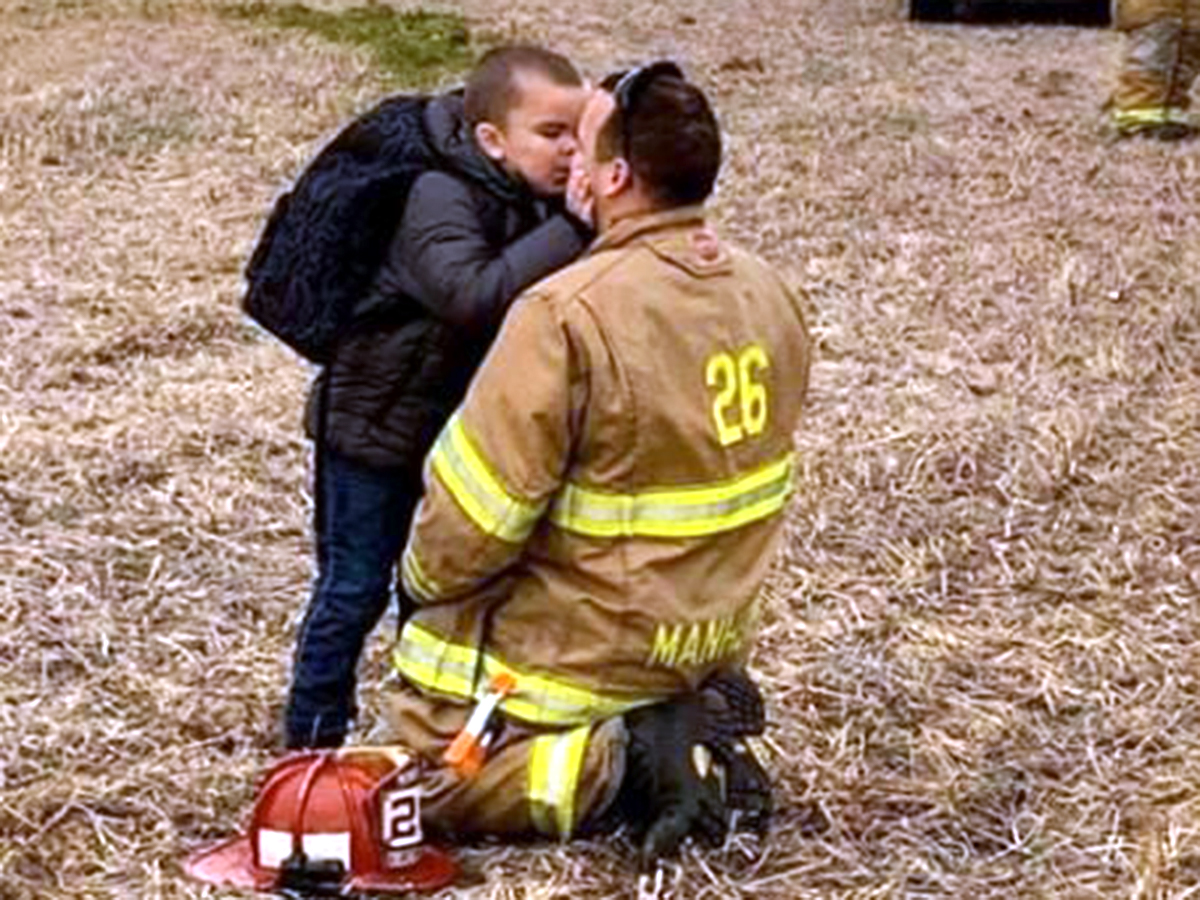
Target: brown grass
pixel 980 648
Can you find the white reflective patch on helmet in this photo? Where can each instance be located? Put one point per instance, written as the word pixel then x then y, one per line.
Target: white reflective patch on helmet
pixel 400 812
pixel 276 846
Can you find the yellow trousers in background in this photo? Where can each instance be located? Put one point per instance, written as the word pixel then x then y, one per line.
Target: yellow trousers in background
pixel 1162 60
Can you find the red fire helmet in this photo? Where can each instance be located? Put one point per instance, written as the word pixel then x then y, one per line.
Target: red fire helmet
pixel 332 821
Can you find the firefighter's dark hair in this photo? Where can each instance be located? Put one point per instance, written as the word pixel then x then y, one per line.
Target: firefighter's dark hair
pixel 666 130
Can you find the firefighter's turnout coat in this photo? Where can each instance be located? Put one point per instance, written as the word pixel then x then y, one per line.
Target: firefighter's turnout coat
pixel 601 511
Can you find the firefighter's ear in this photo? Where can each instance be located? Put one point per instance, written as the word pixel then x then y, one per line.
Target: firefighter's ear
pixel 618 177
pixel 491 141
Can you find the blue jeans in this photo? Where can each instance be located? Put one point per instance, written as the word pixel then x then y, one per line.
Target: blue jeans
pixel 362 519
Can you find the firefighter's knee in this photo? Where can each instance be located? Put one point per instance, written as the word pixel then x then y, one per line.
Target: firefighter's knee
pixel 573 776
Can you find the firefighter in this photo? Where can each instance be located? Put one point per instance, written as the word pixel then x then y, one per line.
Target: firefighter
pixel 1162 58
pixel 600 512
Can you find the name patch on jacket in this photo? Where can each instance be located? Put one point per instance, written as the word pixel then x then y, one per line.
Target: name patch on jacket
pixel 691 644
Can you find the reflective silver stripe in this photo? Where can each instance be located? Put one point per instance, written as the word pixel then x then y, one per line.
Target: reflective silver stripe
pixel 1152 115
pixel 416 582
pixel 555 763
pixel 473 484
pixel 676 513
pixel 431 662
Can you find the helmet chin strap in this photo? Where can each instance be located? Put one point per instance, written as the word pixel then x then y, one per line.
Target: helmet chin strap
pixel 306 787
pixel 302 878
pixel 298 873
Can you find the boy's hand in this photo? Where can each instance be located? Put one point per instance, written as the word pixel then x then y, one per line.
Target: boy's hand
pixel 580 202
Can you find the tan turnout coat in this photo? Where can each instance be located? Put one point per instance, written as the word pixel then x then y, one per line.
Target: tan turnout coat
pixel 601 511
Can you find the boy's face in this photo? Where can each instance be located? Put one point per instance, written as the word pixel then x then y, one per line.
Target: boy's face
pixel 537 140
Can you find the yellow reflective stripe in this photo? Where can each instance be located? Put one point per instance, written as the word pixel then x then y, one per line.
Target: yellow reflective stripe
pixel 1151 115
pixel 554 766
pixel 474 486
pixel 428 661
pixel 678 513
pixel 539 776
pixel 416 582
pixel 435 664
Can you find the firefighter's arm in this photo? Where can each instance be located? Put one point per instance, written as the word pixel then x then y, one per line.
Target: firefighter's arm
pixel 500 459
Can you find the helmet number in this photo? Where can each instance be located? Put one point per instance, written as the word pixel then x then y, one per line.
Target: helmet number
pixel 739 408
pixel 401 812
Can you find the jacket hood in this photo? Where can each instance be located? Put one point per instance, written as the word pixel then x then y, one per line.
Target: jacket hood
pixel 452 140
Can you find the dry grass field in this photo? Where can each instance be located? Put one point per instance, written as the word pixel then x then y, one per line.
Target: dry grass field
pixel 981 646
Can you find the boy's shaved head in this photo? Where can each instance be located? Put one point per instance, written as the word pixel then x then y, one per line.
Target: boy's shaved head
pixel 494 87
pixel 522 106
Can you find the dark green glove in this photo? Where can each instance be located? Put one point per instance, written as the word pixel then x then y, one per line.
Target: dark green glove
pixel 734 705
pixel 735 714
pixel 672 788
pixel 748 795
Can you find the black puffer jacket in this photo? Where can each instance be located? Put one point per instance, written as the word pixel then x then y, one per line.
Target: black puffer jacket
pixel 471 239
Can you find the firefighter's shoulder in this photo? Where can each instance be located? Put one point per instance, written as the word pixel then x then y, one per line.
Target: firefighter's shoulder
pixel 576 279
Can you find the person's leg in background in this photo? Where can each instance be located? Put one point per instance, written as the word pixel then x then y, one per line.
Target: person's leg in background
pixel 1160 63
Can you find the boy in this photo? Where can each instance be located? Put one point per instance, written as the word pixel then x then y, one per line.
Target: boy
pixel 476 231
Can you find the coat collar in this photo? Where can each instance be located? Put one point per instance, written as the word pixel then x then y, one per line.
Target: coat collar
pixel 627 230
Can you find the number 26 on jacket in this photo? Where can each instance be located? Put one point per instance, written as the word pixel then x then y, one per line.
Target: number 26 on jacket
pixel 739 407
